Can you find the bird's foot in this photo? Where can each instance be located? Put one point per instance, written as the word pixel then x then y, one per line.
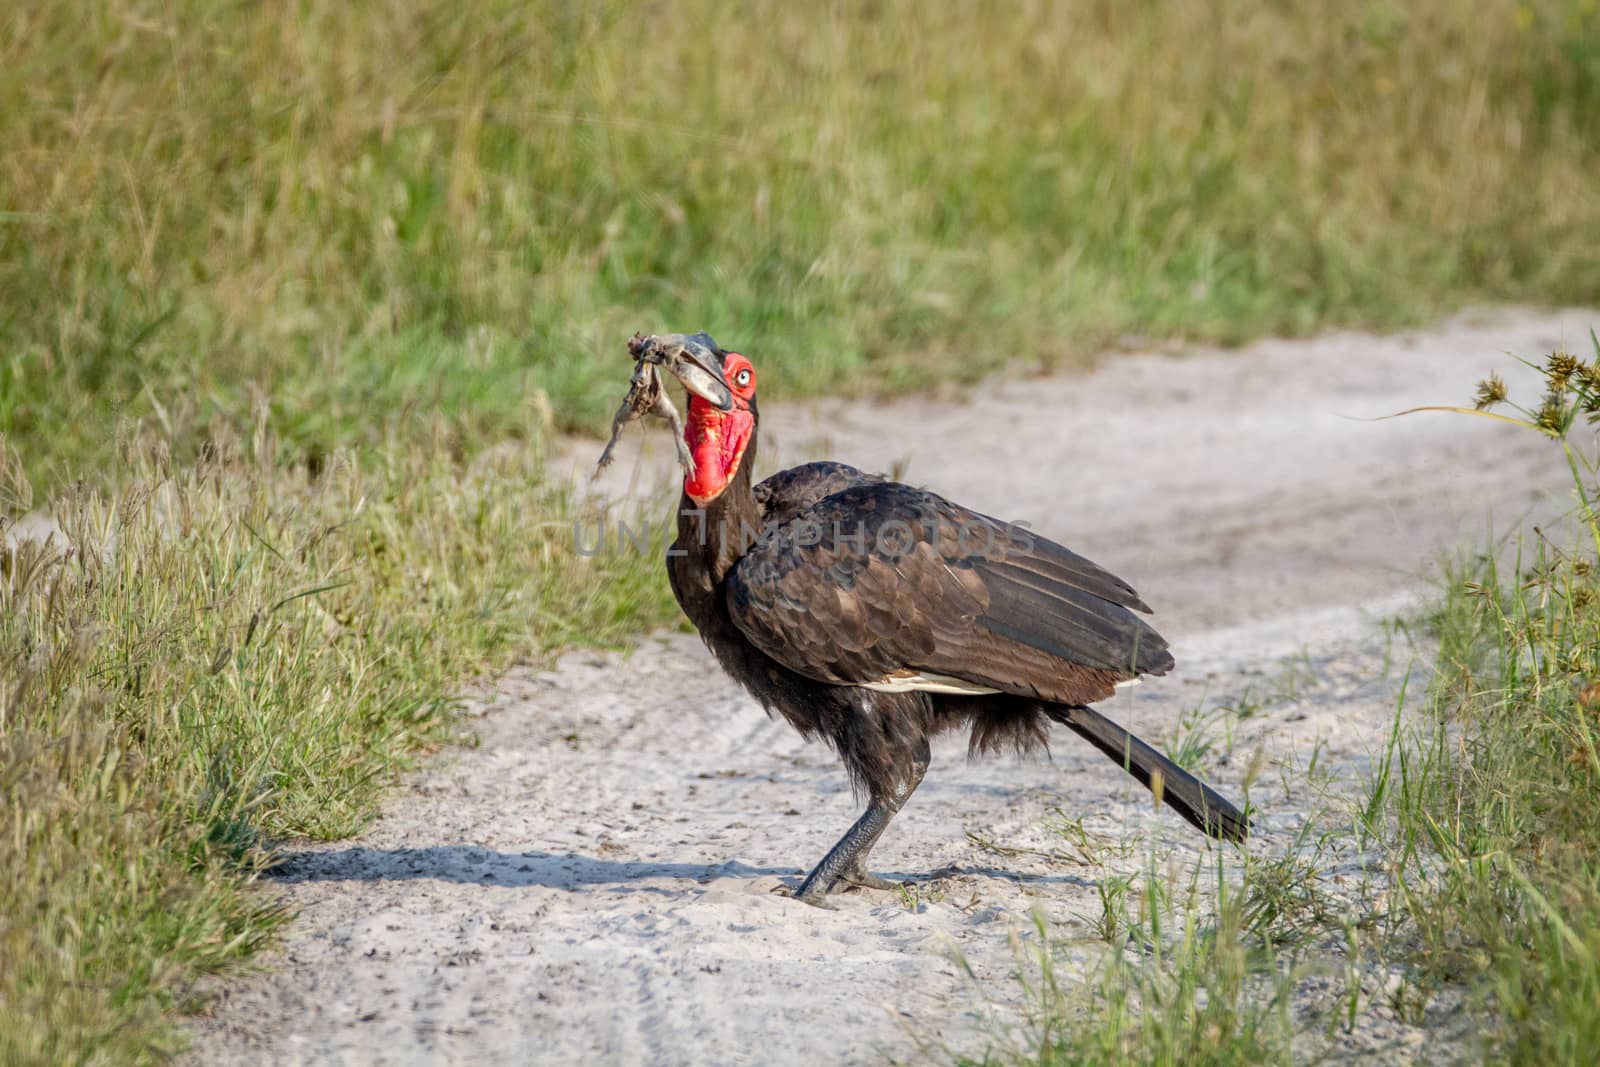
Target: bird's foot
pixel 815 891
pixel 859 877
pixel 808 893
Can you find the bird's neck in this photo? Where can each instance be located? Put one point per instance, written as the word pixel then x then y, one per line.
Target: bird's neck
pixel 718 533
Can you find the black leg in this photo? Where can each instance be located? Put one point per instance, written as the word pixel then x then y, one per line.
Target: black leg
pixel 842 857
pixel 845 864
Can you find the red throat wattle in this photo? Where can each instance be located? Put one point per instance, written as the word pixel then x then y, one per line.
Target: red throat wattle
pixel 717 440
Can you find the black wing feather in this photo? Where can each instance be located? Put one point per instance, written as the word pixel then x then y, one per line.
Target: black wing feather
pixel 786 494
pixel 878 578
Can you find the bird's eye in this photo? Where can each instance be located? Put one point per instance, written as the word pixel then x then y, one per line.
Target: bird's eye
pixel 742 379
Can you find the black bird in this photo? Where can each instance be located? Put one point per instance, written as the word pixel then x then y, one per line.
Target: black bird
pixel 876 615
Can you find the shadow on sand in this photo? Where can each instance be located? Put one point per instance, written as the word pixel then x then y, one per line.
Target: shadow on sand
pixel 472 865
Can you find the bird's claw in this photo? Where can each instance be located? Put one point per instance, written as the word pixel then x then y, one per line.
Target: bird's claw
pixel 857 878
pixel 817 899
pixel 817 893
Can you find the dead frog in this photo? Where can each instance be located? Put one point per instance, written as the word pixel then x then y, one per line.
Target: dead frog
pixel 645 393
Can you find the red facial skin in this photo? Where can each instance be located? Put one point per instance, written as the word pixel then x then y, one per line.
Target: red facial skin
pixel 717 439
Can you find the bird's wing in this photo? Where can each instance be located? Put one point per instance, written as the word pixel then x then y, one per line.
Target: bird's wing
pixel 786 494
pixel 889 586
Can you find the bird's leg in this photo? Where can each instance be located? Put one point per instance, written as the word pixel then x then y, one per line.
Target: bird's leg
pixel 857 874
pixel 842 857
pixel 845 863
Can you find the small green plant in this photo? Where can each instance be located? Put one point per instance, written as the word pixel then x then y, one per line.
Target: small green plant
pixel 1205 955
pixel 1207 732
pixel 1090 849
pixel 914 896
pixel 1198 732
pixel 1287 897
pixel 1110 924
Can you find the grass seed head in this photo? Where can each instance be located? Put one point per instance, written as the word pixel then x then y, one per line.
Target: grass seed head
pixel 1559 369
pixel 1552 414
pixel 1491 391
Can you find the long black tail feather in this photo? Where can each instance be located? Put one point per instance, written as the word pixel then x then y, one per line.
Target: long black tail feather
pixel 1180 790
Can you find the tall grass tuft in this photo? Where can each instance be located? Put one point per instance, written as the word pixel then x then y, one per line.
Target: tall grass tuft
pixel 1191 985
pixel 1495 809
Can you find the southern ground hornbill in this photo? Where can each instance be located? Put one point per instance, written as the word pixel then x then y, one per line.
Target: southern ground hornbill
pixel 876 615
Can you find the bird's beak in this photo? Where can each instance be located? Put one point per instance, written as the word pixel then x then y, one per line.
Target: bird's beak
pixel 696 366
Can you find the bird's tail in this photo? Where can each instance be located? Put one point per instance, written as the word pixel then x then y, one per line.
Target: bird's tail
pixel 1174 786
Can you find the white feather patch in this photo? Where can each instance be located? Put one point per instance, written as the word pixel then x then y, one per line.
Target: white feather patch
pixel 943 683
pixel 927 683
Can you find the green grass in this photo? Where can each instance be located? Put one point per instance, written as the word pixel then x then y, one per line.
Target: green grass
pixel 1181 984
pixel 339 205
pixel 240 651
pixel 1493 805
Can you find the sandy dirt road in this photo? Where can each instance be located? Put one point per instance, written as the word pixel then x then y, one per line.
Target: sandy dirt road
pixel 594 882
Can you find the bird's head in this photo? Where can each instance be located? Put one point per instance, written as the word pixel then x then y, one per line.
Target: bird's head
pixel 722 410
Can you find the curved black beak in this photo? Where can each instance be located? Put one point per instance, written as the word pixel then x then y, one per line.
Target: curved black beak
pixel 695 360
